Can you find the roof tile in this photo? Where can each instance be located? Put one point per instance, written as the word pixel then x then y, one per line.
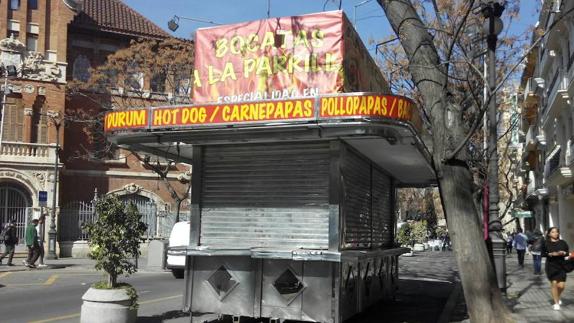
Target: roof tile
pixel 116 17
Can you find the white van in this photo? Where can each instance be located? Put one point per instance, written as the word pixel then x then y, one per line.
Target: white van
pixel 178 241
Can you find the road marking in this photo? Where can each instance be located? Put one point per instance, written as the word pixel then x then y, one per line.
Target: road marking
pixel 157 300
pixel 2 275
pixel 71 316
pixel 50 280
pixel 59 318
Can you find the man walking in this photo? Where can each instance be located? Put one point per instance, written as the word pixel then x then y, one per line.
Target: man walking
pixel 10 241
pixel 520 244
pixel 41 233
pixel 32 244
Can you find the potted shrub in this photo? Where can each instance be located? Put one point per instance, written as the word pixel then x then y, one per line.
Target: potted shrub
pixel 114 240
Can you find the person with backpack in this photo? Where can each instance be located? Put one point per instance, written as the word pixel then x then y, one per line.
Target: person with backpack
pixel 535 249
pixel 520 243
pixel 10 241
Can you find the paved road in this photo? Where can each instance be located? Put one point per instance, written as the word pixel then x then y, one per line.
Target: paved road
pixel 43 296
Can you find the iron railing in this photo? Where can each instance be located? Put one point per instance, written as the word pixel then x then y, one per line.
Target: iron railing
pixel 75 214
pixel 554 162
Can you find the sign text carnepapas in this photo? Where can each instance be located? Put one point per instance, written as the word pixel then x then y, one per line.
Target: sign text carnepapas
pixel 233 113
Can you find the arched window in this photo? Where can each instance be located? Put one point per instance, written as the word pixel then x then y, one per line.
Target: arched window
pixel 81 69
pixel 14 205
pixel 148 210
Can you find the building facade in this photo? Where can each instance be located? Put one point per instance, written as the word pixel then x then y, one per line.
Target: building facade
pixel 65 39
pixel 547 107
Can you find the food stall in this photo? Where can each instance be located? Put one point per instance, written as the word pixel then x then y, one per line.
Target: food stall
pixel 295 169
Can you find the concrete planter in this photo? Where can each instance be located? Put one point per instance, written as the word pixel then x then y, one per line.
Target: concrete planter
pixel 107 306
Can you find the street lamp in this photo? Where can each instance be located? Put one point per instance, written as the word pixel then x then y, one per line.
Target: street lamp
pixel 173 23
pixel 492 10
pixel 57 122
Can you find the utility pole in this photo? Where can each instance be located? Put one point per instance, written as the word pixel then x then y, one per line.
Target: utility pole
pixel 492 10
pixel 52 234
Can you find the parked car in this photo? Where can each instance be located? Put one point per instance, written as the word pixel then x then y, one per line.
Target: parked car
pixel 178 241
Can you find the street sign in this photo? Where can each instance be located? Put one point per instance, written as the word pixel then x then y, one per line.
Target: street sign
pixel 42 198
pixel 522 214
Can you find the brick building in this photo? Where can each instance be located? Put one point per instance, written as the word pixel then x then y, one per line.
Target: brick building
pixel 64 39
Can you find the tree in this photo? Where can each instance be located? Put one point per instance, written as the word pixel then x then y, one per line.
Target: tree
pixel 115 237
pixel 147 73
pixel 418 204
pixel 437 65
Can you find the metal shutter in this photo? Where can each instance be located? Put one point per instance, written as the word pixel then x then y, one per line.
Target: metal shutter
pixel 356 173
pixel 382 210
pixel 265 195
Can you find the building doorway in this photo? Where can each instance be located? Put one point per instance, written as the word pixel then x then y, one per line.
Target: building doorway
pixel 15 204
pixel 148 210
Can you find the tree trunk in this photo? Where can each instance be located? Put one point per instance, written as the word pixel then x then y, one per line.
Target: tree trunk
pixel 112 281
pixel 483 298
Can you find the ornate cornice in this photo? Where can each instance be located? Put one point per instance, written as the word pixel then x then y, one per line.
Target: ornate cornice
pixel 12 45
pixel 31 65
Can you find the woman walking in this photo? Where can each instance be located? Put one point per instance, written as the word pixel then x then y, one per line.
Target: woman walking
pixel 555 250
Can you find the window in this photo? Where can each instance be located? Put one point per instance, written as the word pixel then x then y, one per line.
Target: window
pixel 32 42
pixel 14 121
pixel 81 69
pixel 14 4
pixel 39 122
pixel 135 78
pixel 33 4
pixel 158 83
pixel 182 83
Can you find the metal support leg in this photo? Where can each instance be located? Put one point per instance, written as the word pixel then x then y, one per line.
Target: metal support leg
pixel 499 259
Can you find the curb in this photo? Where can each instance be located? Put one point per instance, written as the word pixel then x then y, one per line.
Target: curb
pixel 450 304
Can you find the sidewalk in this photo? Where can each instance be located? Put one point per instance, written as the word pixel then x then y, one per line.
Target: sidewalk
pixel 69 262
pixel 528 295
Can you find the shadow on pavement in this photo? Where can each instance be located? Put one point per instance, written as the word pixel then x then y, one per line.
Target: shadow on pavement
pixel 417 301
pixel 162 317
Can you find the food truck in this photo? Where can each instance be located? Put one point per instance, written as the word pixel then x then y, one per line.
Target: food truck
pixel 297 148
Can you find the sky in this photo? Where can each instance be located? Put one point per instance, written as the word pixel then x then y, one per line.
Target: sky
pixel 367 15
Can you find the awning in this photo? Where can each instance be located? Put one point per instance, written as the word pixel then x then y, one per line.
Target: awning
pixel 384 128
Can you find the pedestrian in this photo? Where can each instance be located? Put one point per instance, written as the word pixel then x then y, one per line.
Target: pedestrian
pixel 41 232
pixel 445 242
pixel 509 242
pixel 520 244
pixel 32 244
pixel 555 250
pixel 10 242
pixel 535 249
